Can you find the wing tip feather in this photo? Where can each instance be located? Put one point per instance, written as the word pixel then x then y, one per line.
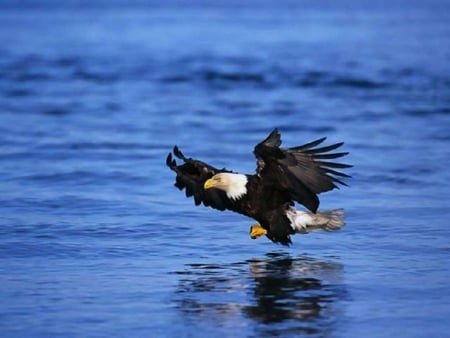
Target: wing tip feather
pixel 177 152
pixel 170 161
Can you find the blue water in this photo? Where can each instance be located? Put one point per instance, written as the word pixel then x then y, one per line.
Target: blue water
pixel 96 242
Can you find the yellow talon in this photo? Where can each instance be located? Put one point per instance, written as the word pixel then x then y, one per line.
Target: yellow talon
pixel 257 231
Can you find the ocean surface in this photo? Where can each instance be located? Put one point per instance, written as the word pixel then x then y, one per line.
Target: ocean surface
pixel 95 241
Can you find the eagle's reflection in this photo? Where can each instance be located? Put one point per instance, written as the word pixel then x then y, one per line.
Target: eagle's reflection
pixel 284 294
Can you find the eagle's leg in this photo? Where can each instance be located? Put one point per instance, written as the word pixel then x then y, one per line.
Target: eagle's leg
pixel 256 231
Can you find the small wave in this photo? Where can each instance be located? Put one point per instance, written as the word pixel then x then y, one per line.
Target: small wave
pixel 18 92
pixel 95 146
pixel 216 77
pixel 312 79
pixel 67 61
pixel 83 177
pixel 67 176
pixel 27 69
pixel 107 146
pixel 55 111
pixel 31 76
pixel 212 75
pixel 175 79
pixel 95 76
pixel 402 180
pixel 354 82
pixel 39 248
pixel 426 112
pixel 328 79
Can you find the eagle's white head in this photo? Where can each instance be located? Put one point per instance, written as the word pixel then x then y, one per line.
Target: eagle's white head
pixel 235 185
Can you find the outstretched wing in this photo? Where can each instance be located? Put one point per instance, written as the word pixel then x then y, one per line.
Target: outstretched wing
pixel 191 176
pixel 304 170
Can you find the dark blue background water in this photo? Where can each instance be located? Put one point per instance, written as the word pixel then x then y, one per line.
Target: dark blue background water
pixel 94 239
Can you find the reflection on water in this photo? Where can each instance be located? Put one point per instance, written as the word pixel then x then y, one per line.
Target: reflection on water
pixel 277 294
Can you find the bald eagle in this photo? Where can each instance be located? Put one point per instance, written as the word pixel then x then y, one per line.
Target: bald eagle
pixel 283 176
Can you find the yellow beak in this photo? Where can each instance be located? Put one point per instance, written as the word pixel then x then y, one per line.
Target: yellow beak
pixel 209 184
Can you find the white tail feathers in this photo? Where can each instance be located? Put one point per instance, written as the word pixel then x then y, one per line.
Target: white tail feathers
pixel 305 221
